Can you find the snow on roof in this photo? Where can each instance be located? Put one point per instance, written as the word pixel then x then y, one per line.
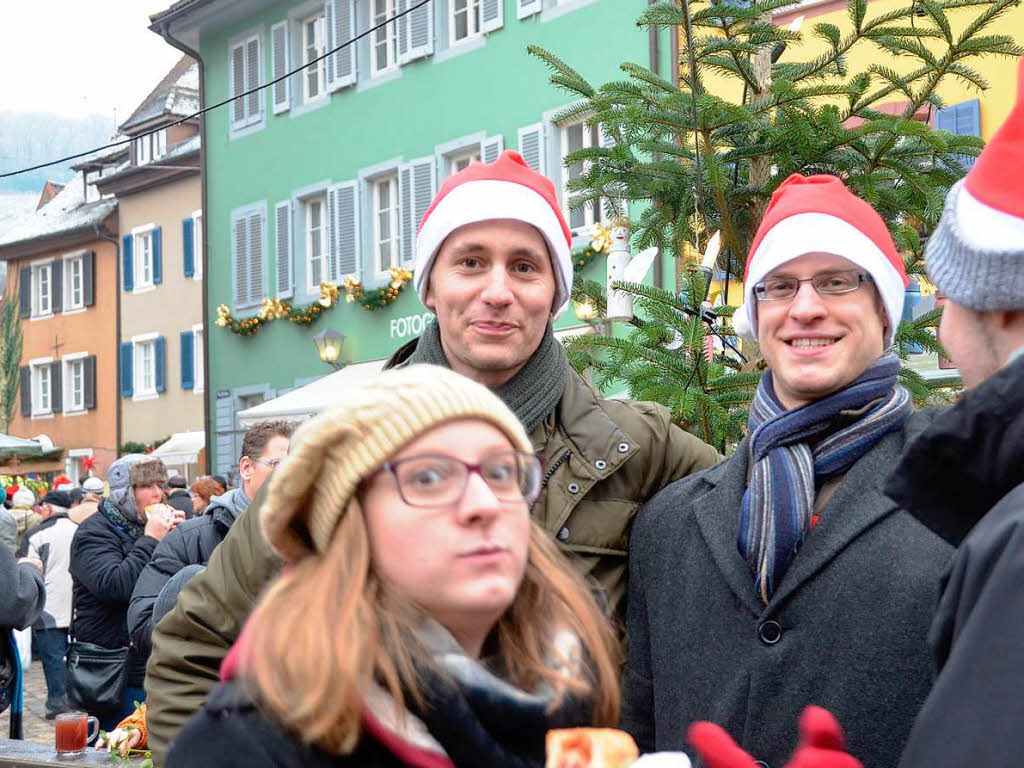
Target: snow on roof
pixel 177 95
pixel 15 206
pixel 67 212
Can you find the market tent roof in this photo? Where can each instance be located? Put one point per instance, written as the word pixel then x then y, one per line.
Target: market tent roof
pixel 301 403
pixel 181 448
pixel 19 445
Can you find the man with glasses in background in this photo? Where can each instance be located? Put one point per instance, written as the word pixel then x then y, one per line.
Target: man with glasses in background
pixel 783 576
pixel 179 557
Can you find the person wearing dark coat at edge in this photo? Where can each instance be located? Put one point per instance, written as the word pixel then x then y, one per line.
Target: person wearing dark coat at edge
pixel 423 619
pixel 495 286
pixel 963 478
pixel 784 577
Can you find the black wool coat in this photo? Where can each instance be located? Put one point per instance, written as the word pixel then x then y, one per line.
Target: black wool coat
pixel 964 479
pixel 846 628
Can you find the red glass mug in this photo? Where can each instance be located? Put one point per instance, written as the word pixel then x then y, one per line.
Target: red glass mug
pixel 73 733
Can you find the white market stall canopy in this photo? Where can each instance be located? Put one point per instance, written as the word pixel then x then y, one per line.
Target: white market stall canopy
pixel 301 403
pixel 181 448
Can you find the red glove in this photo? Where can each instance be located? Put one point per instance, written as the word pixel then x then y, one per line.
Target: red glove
pixel 821 744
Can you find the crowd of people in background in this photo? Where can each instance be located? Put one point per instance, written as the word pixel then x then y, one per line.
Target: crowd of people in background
pixel 446 565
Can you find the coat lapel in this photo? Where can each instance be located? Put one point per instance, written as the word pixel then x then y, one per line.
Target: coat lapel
pixel 718 517
pixel 857 503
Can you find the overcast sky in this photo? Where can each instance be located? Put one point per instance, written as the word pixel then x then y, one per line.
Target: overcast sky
pixel 80 57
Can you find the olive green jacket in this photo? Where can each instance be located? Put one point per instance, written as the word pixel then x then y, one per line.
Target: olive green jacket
pixel 604 458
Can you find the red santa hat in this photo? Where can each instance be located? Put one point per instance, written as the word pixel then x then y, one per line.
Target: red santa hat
pixel 818 214
pixel 976 254
pixel 505 189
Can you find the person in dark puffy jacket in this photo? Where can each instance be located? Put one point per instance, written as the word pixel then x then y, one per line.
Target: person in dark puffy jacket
pixel 178 495
pixel 192 543
pixel 108 553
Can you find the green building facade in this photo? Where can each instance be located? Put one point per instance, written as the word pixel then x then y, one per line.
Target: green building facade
pixel 327 173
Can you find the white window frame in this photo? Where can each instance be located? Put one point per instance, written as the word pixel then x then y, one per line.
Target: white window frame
pixel 142 146
pixel 452 160
pixel 320 47
pixel 139 345
pixel 37 296
pixel 198 363
pixel 474 23
pixel 197 244
pixel 68 265
pixel 250 121
pixel 68 362
pixel 140 236
pixel 313 286
pixel 37 367
pixel 394 238
pixel 389 39
pixel 590 135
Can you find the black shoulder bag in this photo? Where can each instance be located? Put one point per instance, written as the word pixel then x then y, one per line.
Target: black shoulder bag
pixel 96 675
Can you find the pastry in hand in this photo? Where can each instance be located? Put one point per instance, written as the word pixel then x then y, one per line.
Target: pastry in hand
pixel 590 748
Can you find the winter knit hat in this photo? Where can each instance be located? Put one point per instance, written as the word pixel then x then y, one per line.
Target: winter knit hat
pixel 505 189
pixel 818 214
pixel 333 452
pixel 118 472
pixel 976 254
pixel 149 471
pixel 23 498
pixel 93 485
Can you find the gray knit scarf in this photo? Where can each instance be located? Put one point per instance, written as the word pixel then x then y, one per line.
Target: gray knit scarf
pixel 532 393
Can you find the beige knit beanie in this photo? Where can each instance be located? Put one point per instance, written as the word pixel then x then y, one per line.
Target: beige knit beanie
pixel 331 453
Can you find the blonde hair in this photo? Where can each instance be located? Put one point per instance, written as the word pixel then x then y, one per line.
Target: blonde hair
pixel 329 626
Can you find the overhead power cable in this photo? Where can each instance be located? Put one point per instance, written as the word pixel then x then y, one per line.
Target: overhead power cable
pixel 219 104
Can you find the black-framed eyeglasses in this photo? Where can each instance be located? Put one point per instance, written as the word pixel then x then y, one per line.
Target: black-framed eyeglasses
pixel 833 283
pixel 436 480
pixel 272 463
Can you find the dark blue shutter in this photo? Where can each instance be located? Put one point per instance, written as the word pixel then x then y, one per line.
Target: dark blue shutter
pixel 25 287
pixel 188 237
pixel 963 119
pixel 188 367
pixel 161 363
pixel 158 262
pixel 127 264
pixel 126 369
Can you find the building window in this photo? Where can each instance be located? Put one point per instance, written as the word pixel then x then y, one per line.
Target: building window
pixel 574 137
pixel 42 389
pixel 314 45
pixel 74 289
pixel 197 245
pixel 42 296
pixel 316 242
pixel 151 147
pixel 465 20
pixel 197 357
pixel 246 74
pixel 460 160
pixel 144 259
pixel 385 224
pixel 145 368
pixel 74 385
pixel 382 55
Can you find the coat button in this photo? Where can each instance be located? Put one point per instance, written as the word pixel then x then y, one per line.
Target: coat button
pixel 574 488
pixel 600 463
pixel 563 535
pixel 770 632
pixel 623 447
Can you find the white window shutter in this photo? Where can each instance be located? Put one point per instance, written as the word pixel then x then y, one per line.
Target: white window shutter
pixel 256 229
pixel 237 83
pixel 416 184
pixel 420 30
pixel 531 146
pixel 343 230
pixel 253 67
pixel 492 14
pixel 240 255
pixel 283 247
pixel 279 61
pixel 407 240
pixel 491 148
pixel 402 30
pixel 526 8
pixel 341 29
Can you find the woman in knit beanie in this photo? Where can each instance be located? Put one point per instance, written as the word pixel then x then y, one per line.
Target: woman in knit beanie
pixel 422 618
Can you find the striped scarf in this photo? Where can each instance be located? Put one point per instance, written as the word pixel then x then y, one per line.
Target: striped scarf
pixel 779 499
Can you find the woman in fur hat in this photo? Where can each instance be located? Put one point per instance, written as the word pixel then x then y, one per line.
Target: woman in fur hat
pixel 108 553
pixel 422 618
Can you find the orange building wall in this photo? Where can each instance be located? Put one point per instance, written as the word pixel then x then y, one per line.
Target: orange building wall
pixel 93 330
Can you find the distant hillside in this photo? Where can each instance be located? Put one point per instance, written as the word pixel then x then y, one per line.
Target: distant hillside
pixel 27 139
